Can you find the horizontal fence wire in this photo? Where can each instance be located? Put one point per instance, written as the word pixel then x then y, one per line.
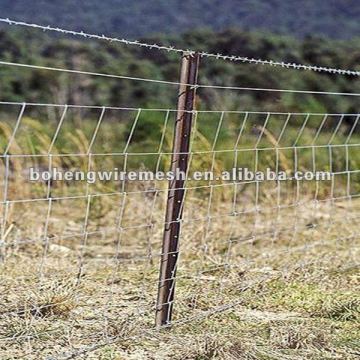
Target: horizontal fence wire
pixel 164 82
pixel 97 107
pixel 182 51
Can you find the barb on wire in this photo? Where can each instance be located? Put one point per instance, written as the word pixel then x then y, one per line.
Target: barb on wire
pixel 234 58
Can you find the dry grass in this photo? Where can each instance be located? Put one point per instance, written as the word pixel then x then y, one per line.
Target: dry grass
pixel 294 292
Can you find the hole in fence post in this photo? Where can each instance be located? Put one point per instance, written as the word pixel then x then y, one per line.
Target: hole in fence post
pixel 179 163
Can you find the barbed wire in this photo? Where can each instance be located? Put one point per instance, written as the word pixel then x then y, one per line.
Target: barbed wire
pixel 234 58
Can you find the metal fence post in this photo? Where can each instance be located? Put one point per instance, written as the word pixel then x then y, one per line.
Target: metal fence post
pixel 179 163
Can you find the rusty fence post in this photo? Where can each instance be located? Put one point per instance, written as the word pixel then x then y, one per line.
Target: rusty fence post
pixel 179 163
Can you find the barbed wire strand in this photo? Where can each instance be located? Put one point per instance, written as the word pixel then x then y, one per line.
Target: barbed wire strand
pixel 233 58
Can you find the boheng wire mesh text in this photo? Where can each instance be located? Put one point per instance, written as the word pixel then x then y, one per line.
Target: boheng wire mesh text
pixel 235 174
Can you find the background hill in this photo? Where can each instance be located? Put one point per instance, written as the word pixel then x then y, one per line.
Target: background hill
pixel 37 47
pixel 331 18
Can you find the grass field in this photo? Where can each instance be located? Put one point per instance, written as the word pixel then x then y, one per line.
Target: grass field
pixel 284 289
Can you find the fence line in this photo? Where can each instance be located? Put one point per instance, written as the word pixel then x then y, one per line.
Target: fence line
pixel 108 239
pixel 77 106
pixel 199 86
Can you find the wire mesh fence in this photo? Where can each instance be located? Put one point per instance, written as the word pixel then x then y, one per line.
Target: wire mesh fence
pixel 81 259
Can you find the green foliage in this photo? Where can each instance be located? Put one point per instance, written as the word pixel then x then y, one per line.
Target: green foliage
pixel 336 19
pixel 55 87
pixel 20 84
